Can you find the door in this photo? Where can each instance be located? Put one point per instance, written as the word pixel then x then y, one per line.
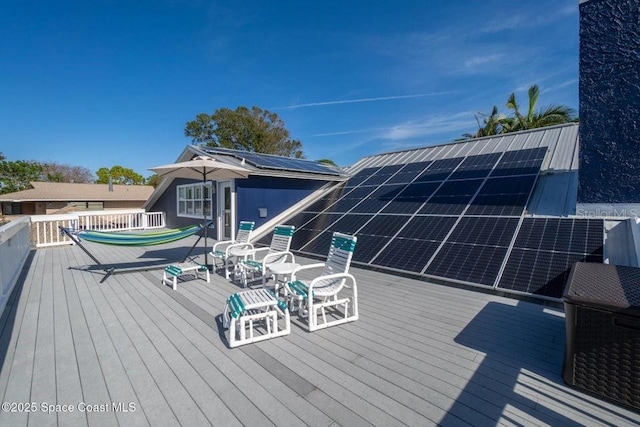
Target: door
pixel 224 211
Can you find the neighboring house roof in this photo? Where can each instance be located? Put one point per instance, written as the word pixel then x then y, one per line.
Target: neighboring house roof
pixel 63 191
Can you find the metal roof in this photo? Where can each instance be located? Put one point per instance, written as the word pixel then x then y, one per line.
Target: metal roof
pixel 557 187
pixel 562 154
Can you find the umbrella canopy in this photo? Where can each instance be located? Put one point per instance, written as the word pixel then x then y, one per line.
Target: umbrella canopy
pixel 205 168
pixel 201 167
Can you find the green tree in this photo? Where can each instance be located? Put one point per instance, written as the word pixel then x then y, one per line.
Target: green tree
pixel 551 115
pixel 16 176
pixel 119 175
pixel 492 124
pixel 254 130
pixel 2 157
pixel 327 162
pixel 154 180
pixel 496 123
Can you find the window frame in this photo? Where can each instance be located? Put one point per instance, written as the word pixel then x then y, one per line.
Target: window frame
pixel 193 198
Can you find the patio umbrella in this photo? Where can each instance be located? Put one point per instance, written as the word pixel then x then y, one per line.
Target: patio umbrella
pixel 205 168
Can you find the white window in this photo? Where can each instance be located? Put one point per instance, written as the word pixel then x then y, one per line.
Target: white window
pixel 192 198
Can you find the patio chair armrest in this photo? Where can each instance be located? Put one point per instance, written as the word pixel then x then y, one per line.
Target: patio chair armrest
pixel 237 246
pixel 332 276
pixel 305 267
pixel 252 254
pixel 266 259
pixel 222 243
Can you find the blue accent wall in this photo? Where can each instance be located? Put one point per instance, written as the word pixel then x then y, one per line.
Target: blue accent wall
pixel 274 194
pixel 609 101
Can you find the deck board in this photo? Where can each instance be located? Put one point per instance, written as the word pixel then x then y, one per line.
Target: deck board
pixel 420 354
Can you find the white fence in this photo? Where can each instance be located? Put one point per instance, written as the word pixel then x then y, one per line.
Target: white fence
pixel 14 249
pixel 45 229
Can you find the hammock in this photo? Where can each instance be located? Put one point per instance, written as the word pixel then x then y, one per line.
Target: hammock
pixel 131 239
pixel 137 239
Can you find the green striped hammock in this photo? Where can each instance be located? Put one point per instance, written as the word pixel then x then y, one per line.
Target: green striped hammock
pixel 137 239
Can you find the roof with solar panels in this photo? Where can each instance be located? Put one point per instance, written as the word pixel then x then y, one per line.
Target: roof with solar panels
pixel 494 212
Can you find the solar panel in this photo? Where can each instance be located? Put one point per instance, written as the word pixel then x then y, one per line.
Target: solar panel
pixel 383 174
pixel 406 254
pixel 268 161
pixel 454 219
pixel 521 162
pixel 468 263
pixel 327 200
pixel 546 249
pixel 504 196
pixel 361 176
pixel 484 231
pixel 452 197
pixel 378 199
pixel 411 198
pixel 368 247
pixel 439 170
pixel 476 166
pixel 408 173
pixel 428 227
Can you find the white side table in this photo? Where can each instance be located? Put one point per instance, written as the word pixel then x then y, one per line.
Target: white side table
pixel 282 272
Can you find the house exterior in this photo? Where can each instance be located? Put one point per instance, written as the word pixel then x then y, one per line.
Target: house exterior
pixel 274 185
pixel 609 101
pixel 60 197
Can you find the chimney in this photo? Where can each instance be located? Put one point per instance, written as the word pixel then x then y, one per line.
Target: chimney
pixel 110 184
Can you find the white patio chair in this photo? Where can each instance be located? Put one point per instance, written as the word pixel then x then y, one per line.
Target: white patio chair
pixel 228 250
pixel 322 300
pixel 256 262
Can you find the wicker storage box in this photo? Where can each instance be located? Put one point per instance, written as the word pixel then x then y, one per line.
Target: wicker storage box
pixel 602 309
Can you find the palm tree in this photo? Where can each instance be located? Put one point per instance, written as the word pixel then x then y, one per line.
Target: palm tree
pixel 492 124
pixel 552 115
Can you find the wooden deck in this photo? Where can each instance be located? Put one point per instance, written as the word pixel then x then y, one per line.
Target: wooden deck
pixel 421 354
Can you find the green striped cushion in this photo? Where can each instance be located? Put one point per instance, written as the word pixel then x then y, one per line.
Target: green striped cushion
pixel 253 264
pixel 299 288
pixel 282 230
pixel 344 244
pixel 247 226
pixel 236 307
pixel 219 254
pixel 173 270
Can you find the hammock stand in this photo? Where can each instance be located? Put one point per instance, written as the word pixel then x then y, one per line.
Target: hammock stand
pixel 131 239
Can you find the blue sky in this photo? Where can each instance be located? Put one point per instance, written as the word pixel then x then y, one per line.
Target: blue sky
pixel 104 83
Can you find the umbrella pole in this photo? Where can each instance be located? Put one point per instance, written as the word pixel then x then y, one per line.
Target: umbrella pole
pixel 204 217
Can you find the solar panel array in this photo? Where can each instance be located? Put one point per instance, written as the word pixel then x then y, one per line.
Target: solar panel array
pixel 453 218
pixel 266 161
pixel 545 250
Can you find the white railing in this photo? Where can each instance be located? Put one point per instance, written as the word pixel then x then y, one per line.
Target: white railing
pixel 14 249
pixel 45 229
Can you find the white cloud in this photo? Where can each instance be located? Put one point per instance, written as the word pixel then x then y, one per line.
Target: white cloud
pixel 481 60
pixel 462 122
pixel 354 101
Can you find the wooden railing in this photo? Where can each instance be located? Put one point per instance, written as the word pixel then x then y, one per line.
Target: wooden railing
pixel 45 229
pixel 14 249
